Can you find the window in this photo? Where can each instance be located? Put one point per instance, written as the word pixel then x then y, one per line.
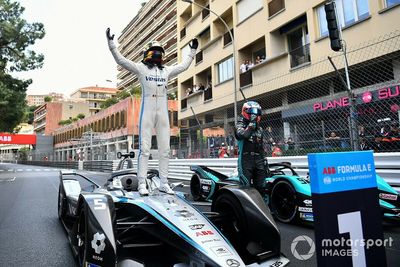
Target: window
pixel 390 3
pixel 299 49
pixel 274 6
pixel 225 70
pixel 246 8
pixel 349 12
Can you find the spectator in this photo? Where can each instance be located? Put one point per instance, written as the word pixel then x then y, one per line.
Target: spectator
pixel 290 143
pixel 250 65
pixel 201 87
pixel 223 153
pixel 364 145
pixel 243 67
pixel 333 140
pixel 258 60
pixel 189 91
pixel 394 130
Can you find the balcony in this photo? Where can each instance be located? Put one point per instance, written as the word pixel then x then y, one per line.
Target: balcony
pixel 183 33
pixel 199 57
pixel 274 6
pixel 207 94
pixel 246 78
pixel 184 104
pixel 205 12
pixel 227 38
pixel 300 56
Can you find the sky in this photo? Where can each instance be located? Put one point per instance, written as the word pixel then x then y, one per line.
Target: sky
pixel 75 45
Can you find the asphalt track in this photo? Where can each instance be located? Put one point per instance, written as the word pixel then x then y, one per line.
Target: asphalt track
pixel 31 235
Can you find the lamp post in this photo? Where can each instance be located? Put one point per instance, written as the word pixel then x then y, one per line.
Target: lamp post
pixel 233 54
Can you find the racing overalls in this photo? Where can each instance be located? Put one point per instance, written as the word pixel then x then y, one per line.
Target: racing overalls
pixel 251 162
pixel 153 108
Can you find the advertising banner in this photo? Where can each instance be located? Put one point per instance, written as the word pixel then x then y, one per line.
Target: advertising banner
pixel 347 217
pixel 17 139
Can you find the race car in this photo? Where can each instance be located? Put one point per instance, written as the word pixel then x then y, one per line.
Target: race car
pixel 113 225
pixel 287 194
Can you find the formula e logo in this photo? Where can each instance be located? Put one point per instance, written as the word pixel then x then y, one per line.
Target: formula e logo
pixel 232 263
pixel 196 226
pixel 327 180
pixel 329 170
pixel 98 243
pixel 204 233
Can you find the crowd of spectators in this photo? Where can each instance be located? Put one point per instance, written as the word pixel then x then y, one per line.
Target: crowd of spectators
pixel 248 64
pixel 198 88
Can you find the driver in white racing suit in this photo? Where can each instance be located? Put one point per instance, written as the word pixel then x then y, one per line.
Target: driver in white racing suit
pixel 153 77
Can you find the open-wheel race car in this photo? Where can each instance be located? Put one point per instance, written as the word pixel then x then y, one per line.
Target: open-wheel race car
pixel 287 194
pixel 113 225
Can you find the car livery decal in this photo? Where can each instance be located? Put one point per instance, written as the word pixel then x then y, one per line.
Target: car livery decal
pixel 179 216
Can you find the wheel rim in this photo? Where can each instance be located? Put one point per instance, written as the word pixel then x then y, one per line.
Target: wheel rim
pixel 283 201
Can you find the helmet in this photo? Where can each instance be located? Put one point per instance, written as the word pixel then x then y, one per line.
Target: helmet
pixel 251 108
pixel 154 46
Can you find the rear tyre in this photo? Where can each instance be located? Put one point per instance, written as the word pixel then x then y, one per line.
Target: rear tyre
pixel 283 202
pixel 62 205
pixel 195 188
pixel 233 225
pixel 81 233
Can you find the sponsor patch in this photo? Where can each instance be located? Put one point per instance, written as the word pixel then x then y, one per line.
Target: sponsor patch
pixel 204 233
pixel 98 243
pixel 305 209
pixel 183 213
pixel 388 196
pixel 307 202
pixel 232 263
pixel 196 226
pixel 88 264
pixel 220 251
pixel 205 188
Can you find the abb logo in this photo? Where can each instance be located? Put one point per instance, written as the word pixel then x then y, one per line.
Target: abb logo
pixel 204 233
pixel 329 170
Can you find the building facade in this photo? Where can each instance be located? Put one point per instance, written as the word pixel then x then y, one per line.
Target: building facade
pixel 156 21
pixel 94 96
pixel 49 116
pixel 102 135
pixel 279 58
pixel 37 100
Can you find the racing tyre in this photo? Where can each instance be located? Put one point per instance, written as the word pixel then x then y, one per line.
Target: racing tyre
pixel 233 225
pixel 195 188
pixel 62 205
pixel 283 202
pixel 81 233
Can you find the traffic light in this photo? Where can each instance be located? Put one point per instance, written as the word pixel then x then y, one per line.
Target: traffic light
pixel 333 27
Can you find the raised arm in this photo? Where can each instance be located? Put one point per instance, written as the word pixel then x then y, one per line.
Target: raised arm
pixel 243 131
pixel 175 70
pixel 125 63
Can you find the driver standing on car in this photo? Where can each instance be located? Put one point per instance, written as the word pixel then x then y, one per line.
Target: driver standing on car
pixel 251 163
pixel 153 76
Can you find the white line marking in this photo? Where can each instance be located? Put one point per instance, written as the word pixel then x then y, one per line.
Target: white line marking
pixel 29 170
pixel 19 170
pixel 10 170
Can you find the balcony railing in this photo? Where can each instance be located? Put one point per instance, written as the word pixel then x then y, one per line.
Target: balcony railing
pixel 199 57
pixel 183 32
pixel 300 56
pixel 246 78
pixel 205 12
pixel 274 6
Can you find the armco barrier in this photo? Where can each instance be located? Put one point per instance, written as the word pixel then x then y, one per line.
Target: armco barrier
pixel 387 166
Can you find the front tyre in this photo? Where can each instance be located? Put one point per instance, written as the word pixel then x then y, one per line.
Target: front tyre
pixel 283 202
pixel 62 205
pixel 195 188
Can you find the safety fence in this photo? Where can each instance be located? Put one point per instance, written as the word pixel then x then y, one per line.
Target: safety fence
pixel 387 166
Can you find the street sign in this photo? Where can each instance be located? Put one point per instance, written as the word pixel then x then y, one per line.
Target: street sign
pixel 347 218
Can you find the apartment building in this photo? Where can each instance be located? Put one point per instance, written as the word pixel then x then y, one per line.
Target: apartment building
pixel 37 100
pixel 291 77
pixel 156 20
pixel 94 95
pixel 48 116
pixel 107 132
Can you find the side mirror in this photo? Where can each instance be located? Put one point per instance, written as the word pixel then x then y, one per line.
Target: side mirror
pixel 119 155
pixel 132 154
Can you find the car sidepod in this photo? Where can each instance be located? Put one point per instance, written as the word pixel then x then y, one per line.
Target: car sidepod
pixel 389 199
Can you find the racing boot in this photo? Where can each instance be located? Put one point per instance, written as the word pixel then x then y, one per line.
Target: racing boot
pixel 142 188
pixel 164 187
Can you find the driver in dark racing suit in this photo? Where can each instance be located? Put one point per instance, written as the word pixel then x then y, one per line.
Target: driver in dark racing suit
pixel 251 163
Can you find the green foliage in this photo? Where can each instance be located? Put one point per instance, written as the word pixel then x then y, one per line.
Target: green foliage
pixel 16 35
pixel 134 91
pixel 23 152
pixel 48 99
pixel 65 122
pixel 80 116
pixel 29 114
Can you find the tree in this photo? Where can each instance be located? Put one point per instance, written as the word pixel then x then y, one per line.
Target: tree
pixel 16 35
pixel 121 95
pixel 29 114
pixel 80 116
pixel 48 99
